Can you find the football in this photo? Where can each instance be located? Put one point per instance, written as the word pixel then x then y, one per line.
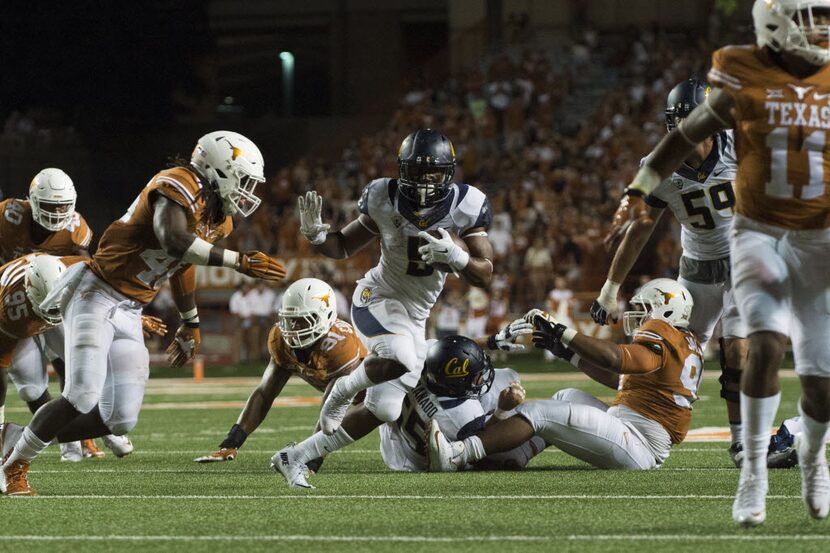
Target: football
pixel 443 267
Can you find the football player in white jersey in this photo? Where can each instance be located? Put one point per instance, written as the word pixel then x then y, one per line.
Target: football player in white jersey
pixel 461 391
pixel 413 216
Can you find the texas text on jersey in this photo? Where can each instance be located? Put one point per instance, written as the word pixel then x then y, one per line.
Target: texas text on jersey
pixel 334 355
pixel 781 138
pixel 401 273
pixel 16 233
pixel 17 318
pixel 129 256
pixel 664 395
pixel 703 200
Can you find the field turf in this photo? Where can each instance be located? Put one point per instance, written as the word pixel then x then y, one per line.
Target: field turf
pixel 158 499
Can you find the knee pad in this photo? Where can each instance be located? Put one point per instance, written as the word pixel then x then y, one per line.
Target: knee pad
pixel 31 392
pixel 386 409
pixel 728 376
pixel 86 330
pixel 564 395
pixel 121 427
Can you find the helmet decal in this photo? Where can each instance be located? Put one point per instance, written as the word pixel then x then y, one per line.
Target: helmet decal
pixel 453 370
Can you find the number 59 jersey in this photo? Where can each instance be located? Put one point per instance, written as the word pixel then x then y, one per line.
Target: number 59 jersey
pixel 129 256
pixel 400 273
pixel 703 201
pixel 781 136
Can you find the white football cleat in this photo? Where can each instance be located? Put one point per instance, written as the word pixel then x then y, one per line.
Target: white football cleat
pixel 72 452
pixel 121 446
pixel 294 472
pixel 334 409
pixel 815 480
pixel 444 456
pixel 750 506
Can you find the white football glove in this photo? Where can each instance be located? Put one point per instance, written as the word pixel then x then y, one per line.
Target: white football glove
pixel 530 316
pixel 505 339
pixel 443 250
pixel 311 222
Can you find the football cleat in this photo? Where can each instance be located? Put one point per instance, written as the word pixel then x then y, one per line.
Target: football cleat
pixel 750 506
pixel 72 452
pixel 444 456
pixel 294 472
pixel 17 479
pixel 736 452
pixel 782 453
pixel 91 450
pixel 334 409
pixel 9 434
pixel 121 446
pixel 815 480
pixel 224 454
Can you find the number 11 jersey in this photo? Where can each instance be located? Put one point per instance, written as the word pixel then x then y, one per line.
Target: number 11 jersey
pixel 703 201
pixel 781 125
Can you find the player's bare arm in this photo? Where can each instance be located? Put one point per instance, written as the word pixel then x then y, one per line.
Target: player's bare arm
pixel 479 270
pixel 339 244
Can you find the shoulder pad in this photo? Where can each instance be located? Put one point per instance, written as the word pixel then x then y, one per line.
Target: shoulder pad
pixel 735 66
pixel 179 186
pixel 472 208
pixel 376 191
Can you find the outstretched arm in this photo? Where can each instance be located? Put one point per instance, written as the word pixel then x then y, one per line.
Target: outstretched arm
pixel 339 244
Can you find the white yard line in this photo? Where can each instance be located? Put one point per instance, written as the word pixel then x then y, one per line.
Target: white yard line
pixel 426 539
pixel 327 497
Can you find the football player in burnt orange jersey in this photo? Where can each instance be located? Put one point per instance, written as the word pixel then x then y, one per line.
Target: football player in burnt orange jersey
pixel 309 341
pixel 657 377
pixel 776 95
pixel 168 229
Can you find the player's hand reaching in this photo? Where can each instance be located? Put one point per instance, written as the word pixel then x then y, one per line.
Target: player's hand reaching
pixel 184 346
pixel 224 454
pixel 632 208
pixel 512 396
pixel 531 315
pixel 443 250
pixel 548 335
pixel 311 218
pixel 505 339
pixel 153 325
pixel 259 265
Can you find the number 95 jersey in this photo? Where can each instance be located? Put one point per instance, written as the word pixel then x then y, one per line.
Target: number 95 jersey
pixel 703 201
pixel 781 137
pixel 400 273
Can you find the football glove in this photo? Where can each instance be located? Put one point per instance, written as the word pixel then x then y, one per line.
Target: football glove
pixel 224 454
pixel 530 316
pixel 505 339
pixel 311 219
pixel 632 208
pixel 443 250
pixel 153 325
pixel 548 335
pixel 259 265
pixel 184 346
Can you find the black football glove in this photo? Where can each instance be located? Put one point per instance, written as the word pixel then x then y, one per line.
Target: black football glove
pixel 548 335
pixel 599 313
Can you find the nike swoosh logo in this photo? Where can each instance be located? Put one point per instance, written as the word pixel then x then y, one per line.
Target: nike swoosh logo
pixel 718 173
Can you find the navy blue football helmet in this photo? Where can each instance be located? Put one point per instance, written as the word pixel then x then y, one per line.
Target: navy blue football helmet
pixel 426 163
pixel 456 366
pixel 684 98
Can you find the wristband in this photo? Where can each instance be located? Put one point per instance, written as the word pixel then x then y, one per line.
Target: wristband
pixel 644 183
pixel 236 437
pixel 319 238
pixel 198 253
pixel 458 259
pixel 575 359
pixel 567 336
pixel 491 342
pixel 608 295
pixel 230 259
pixel 190 318
pixel 501 414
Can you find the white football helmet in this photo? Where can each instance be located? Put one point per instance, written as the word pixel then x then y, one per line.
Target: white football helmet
pixel 790 26
pixel 41 274
pixel 307 313
pixel 52 197
pixel 234 165
pixel 663 299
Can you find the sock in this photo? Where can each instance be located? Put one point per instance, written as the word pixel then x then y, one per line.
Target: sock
pixel 2 414
pixel 758 414
pixel 815 434
pixel 473 450
pixel 735 431
pixel 354 383
pixel 320 445
pixel 27 448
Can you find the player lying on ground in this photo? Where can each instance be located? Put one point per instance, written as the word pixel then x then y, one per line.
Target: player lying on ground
pixel 309 341
pixel 462 392
pixel 292 460
pixel 170 228
pixel 412 216
pixel 774 94
pixel 657 377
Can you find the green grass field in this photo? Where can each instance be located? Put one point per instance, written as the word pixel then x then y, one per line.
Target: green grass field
pixel 158 499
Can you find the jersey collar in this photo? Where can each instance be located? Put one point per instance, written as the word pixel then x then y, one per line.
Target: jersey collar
pixel 422 219
pixel 701 173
